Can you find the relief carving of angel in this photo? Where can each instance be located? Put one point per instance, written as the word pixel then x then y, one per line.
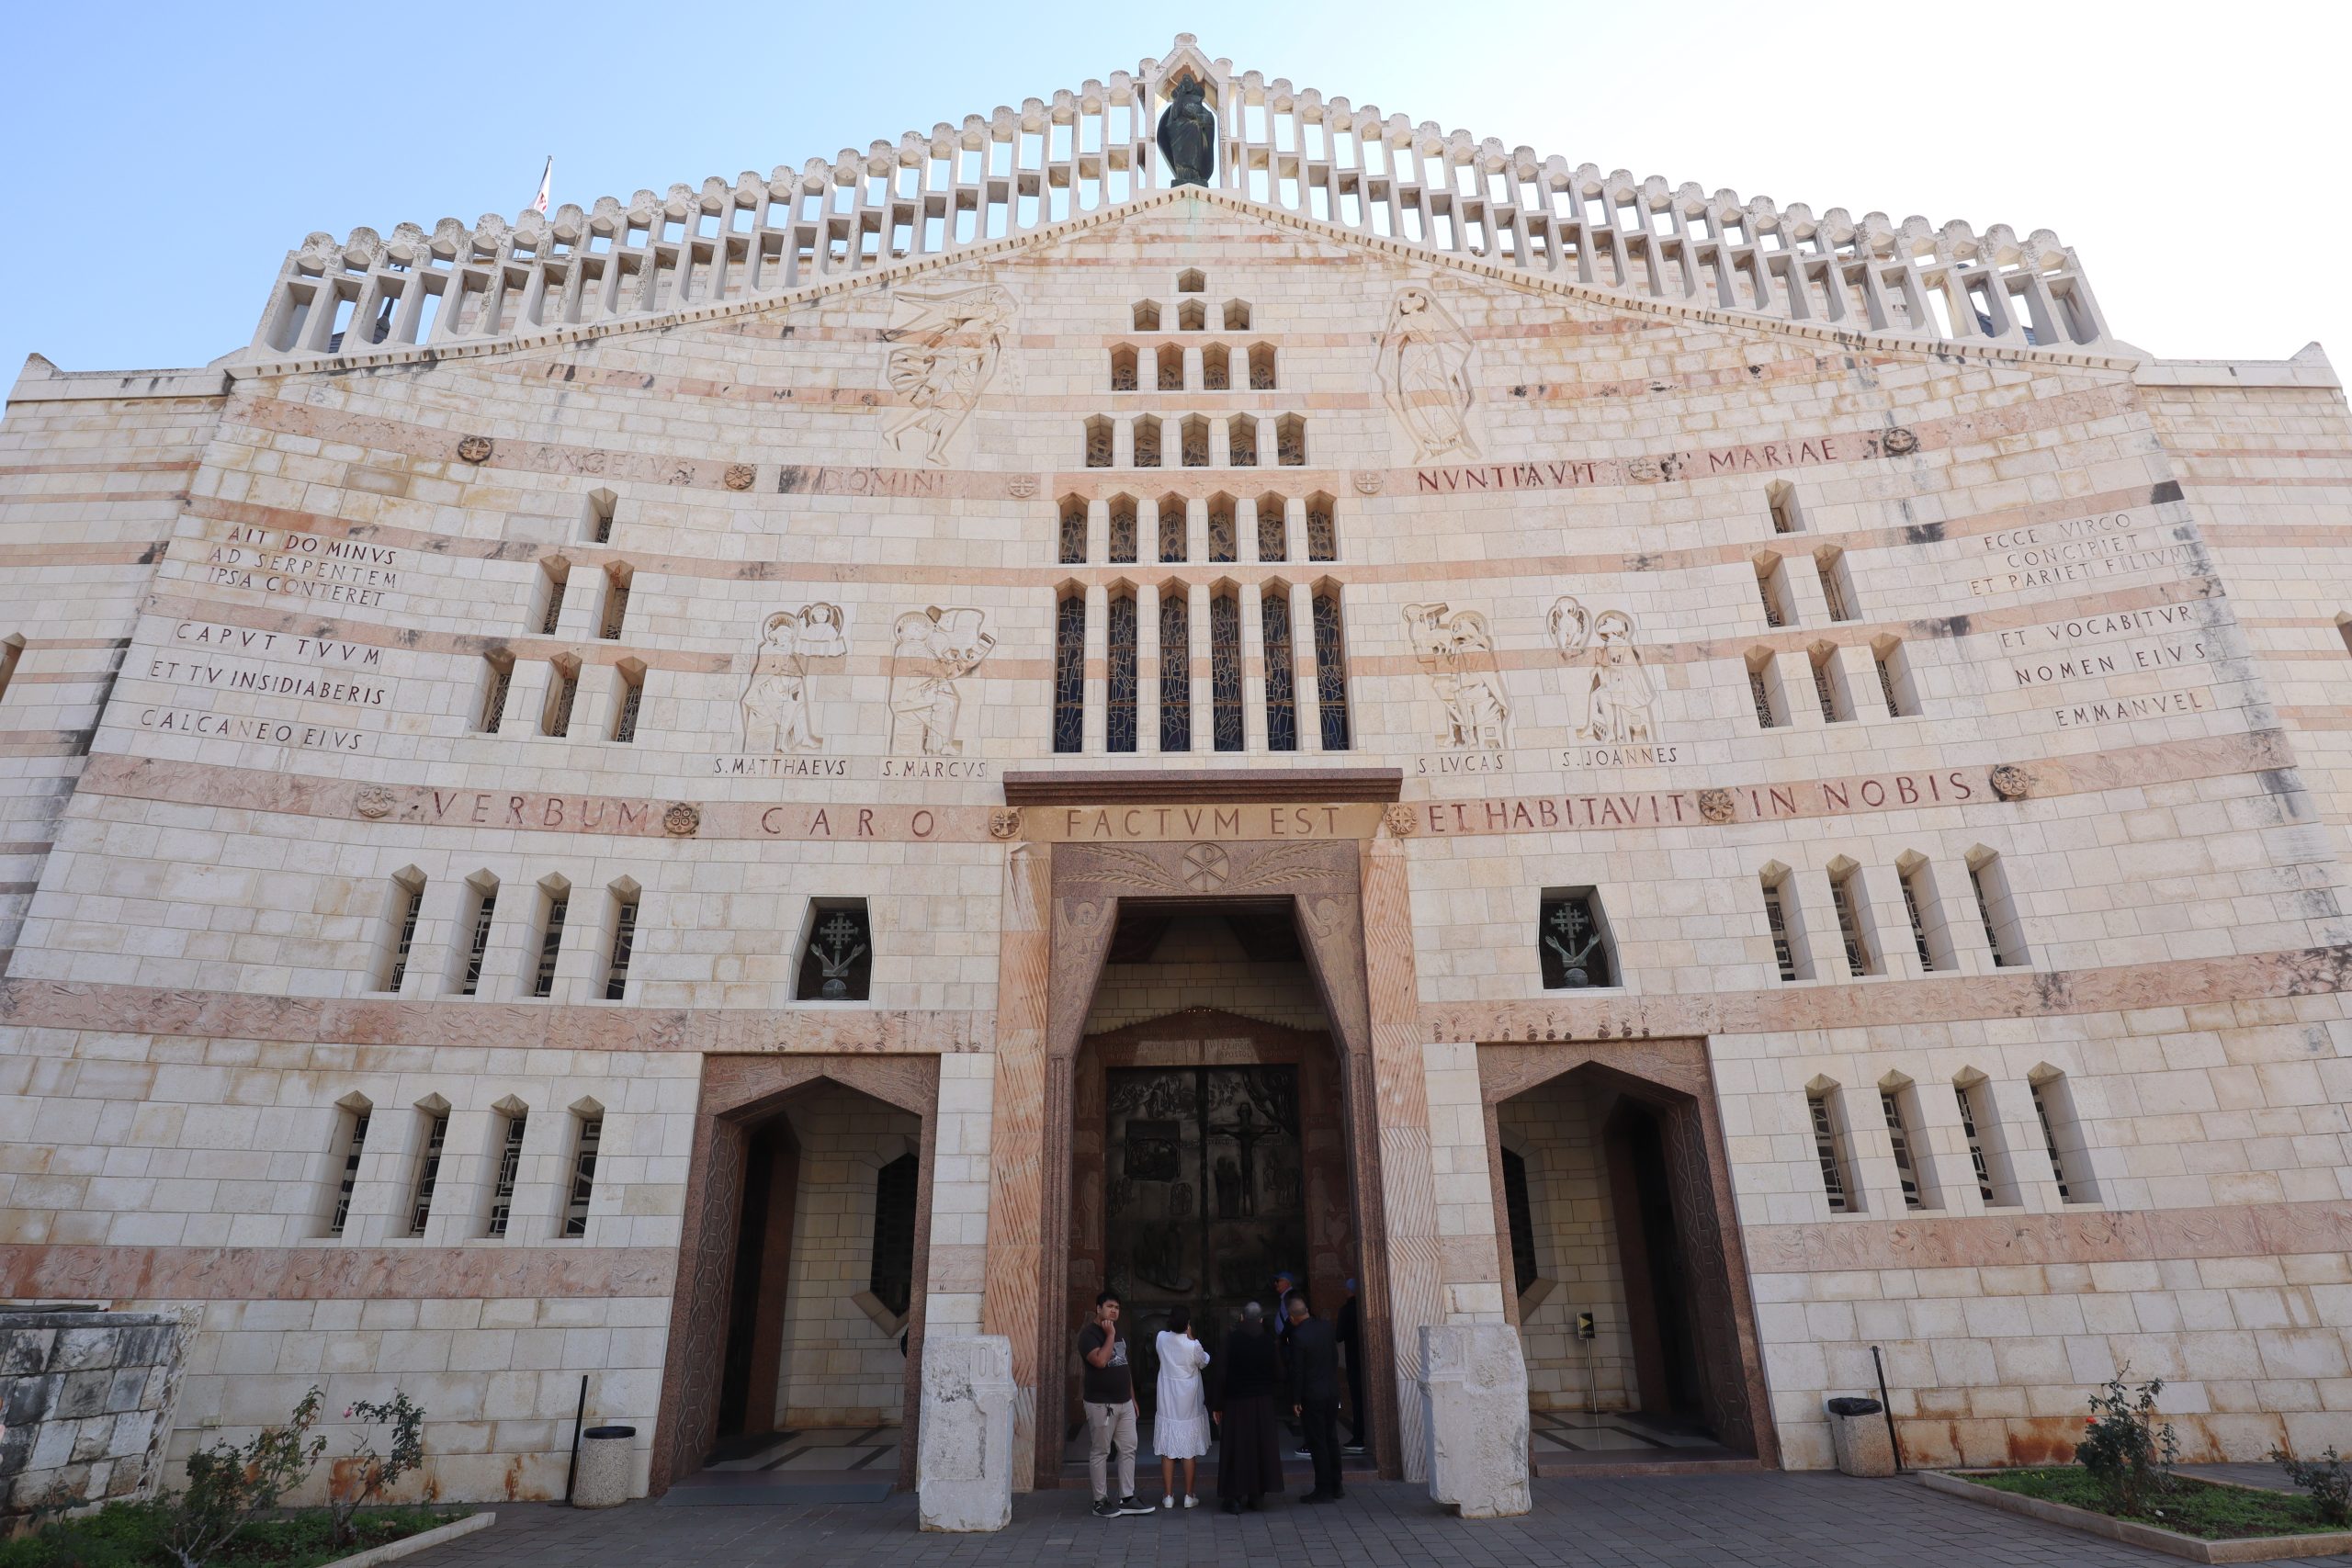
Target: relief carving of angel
pixel 1425 374
pixel 934 648
pixel 944 348
pixel 779 708
pixel 1618 690
pixel 1455 650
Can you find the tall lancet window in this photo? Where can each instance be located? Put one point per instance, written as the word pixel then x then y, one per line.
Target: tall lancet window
pixel 1175 669
pixel 1282 699
pixel 1070 672
pixel 1224 667
pixel 1120 711
pixel 1330 668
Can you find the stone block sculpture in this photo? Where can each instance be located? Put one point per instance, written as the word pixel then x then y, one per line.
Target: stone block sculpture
pixel 1474 1402
pixel 964 1457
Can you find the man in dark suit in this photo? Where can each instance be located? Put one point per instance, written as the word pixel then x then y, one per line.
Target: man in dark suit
pixel 1315 1396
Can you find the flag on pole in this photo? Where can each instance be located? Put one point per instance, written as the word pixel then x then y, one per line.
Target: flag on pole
pixel 547 178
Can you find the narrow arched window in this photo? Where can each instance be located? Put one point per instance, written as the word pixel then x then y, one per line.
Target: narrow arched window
pixel 1225 669
pixel 1122 529
pixel 1122 369
pixel 1172 368
pixel 1195 442
pixel 1069 672
pixel 1172 528
pixel 1098 442
pixel 1331 669
pixel 1175 669
pixel 1282 696
pixel 1241 441
pixel 1223 540
pixel 1120 709
pixel 1147 316
pixel 890 1277
pixel 1290 441
pixel 1322 528
pixel 1147 443
pixel 1262 368
pixel 1273 529
pixel 1216 368
pixel 1520 1213
pixel 1073 537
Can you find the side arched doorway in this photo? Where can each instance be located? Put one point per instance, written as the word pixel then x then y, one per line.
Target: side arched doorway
pixel 778 1318
pixel 1623 1267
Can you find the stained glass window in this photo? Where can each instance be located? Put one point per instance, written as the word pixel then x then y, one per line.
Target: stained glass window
pixel 1241 442
pixel 1073 532
pixel 1273 529
pixel 1282 699
pixel 1262 368
pixel 1224 670
pixel 891 1276
pixel 1330 671
pixel 1322 532
pixel 1216 372
pixel 1122 528
pixel 1069 674
pixel 1290 441
pixel 1175 671
pixel 1147 443
pixel 1171 529
pixel 1171 368
pixel 1120 713
pixel 1098 444
pixel 1196 442
pixel 1222 543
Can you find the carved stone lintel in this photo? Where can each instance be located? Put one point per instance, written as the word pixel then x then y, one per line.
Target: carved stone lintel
pixel 474 448
pixel 1004 822
pixel 1716 805
pixel 2011 782
pixel 682 820
pixel 1402 820
pixel 739 476
pixel 374 802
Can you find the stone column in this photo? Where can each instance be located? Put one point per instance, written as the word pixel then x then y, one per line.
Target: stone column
pixel 1014 1155
pixel 1474 1395
pixel 964 1466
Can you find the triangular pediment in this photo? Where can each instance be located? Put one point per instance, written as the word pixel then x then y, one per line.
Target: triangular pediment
pixel 1088 152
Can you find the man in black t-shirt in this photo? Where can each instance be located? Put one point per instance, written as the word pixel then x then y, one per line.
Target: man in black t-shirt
pixel 1109 1395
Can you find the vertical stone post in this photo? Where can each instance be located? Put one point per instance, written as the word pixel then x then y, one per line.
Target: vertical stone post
pixel 963 1465
pixel 1474 1397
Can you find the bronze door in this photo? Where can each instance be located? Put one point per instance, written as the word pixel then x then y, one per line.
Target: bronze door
pixel 1207 1199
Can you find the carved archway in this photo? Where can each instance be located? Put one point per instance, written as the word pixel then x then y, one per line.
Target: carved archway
pixel 1674 1081
pixel 740 1094
pixel 1322 880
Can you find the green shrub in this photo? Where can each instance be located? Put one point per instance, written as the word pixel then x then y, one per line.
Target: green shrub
pixel 2126 1452
pixel 375 1473
pixel 228 1488
pixel 2329 1483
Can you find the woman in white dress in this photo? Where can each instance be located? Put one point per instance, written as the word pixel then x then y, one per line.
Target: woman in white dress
pixel 1179 1429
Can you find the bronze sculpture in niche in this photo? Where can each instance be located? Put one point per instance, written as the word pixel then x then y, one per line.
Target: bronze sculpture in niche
pixel 1188 136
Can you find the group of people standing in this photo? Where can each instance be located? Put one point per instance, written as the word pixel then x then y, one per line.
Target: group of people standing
pixel 1269 1377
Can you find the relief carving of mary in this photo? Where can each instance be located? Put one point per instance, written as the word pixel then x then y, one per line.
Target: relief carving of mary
pixel 1425 374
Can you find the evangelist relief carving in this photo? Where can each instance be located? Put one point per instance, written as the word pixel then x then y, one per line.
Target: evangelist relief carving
pixel 779 710
pixel 944 348
pixel 1606 670
pixel 932 649
pixel 1454 649
pixel 1425 373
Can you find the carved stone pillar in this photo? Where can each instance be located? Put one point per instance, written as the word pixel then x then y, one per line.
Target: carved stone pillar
pixel 964 1468
pixel 1474 1402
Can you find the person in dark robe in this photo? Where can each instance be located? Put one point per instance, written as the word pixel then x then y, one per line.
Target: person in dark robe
pixel 1188 136
pixel 1315 1396
pixel 1350 1333
pixel 1249 1452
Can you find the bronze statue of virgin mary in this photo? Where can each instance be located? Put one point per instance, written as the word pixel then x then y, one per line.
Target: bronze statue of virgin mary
pixel 1188 136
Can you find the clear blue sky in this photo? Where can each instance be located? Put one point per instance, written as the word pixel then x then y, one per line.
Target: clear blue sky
pixel 160 160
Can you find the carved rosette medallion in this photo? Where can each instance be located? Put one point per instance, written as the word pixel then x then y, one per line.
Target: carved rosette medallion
pixel 1206 867
pixel 1369 480
pixel 1402 820
pixel 375 802
pixel 1020 487
pixel 1716 805
pixel 1899 442
pixel 681 821
pixel 2010 782
pixel 474 448
pixel 1004 822
pixel 739 476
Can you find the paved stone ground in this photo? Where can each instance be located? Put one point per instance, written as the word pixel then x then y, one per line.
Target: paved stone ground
pixel 1786 1520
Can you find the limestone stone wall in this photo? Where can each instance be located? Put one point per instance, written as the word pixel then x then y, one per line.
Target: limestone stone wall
pixel 88 1407
pixel 1577 1262
pixel 1553 599
pixel 841 1365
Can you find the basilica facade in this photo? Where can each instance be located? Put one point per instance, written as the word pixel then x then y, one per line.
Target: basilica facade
pixel 718 807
